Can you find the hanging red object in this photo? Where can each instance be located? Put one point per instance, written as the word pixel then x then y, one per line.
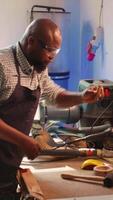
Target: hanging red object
pixel 90 56
pixel 94 44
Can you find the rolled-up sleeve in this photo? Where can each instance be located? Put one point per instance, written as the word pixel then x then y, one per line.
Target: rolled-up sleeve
pixel 50 90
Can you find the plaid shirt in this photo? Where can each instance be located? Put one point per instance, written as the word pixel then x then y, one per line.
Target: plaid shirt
pixel 28 76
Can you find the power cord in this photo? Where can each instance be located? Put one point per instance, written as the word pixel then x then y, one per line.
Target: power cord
pixel 92 135
pixel 101 114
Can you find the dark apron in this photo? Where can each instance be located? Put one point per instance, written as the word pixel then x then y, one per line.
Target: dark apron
pixel 18 111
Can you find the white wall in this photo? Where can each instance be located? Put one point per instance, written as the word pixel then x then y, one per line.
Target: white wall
pixel 14 17
pixel 102 66
pixel 74 7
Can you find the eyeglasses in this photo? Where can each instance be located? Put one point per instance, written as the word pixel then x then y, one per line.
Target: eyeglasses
pixel 49 49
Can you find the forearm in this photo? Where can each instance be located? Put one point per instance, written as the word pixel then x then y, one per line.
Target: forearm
pixel 89 95
pixel 68 99
pixel 25 143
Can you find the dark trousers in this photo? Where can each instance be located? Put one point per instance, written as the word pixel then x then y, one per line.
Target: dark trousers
pixel 8 183
pixel 10 197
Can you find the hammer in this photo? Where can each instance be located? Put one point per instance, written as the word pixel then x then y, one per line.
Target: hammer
pixel 107 180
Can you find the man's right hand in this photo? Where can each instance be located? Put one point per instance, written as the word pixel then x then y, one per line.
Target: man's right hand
pixel 31 148
pixel 27 144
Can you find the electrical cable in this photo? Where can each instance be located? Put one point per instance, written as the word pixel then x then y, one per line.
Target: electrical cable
pixel 100 15
pixel 83 129
pixel 101 115
pixel 92 135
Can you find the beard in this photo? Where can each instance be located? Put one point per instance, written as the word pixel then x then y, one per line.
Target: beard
pixel 38 65
pixel 40 68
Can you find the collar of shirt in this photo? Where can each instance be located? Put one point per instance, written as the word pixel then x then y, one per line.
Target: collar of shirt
pixel 24 64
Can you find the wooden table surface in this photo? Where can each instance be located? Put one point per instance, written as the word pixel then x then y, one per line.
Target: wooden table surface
pixel 48 172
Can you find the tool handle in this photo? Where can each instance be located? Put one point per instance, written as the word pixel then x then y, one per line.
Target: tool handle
pixel 72 177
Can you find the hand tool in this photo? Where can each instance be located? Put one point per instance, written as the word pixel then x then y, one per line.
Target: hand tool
pixel 107 180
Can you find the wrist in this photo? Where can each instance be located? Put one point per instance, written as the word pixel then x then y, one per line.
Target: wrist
pixel 82 98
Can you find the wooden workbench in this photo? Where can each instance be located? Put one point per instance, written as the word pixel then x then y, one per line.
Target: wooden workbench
pixel 48 172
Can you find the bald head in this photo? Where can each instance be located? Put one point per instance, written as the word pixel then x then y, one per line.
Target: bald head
pixel 45 29
pixel 41 41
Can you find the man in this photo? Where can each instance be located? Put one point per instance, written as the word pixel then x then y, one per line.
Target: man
pixel 23 79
